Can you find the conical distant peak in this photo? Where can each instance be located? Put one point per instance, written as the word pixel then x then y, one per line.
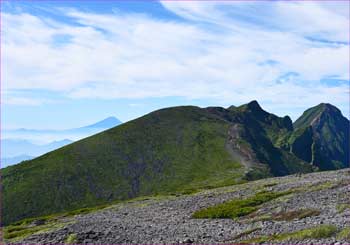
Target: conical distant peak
pixel 105 123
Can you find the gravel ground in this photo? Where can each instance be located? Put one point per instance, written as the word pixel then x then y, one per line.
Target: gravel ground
pixel 168 220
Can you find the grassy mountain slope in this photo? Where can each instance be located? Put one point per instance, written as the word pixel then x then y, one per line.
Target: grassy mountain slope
pixel 168 150
pixel 171 150
pixel 308 117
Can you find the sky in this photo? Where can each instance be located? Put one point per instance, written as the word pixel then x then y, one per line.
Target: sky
pixel 67 64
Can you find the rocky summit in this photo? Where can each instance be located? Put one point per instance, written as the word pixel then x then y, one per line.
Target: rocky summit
pixel 296 209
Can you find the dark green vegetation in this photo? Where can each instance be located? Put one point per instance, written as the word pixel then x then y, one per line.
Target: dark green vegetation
pixel 174 150
pixel 318 232
pixel 238 207
pixel 321 137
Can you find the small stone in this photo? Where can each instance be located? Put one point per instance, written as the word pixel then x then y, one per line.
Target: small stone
pixel 188 240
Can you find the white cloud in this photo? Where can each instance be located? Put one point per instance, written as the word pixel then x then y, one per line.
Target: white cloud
pixel 324 19
pixel 9 97
pixel 137 56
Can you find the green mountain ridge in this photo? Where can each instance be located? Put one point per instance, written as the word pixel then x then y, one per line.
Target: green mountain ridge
pixel 321 137
pixel 177 149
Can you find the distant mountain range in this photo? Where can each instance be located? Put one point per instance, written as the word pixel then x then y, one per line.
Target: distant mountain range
pixel 18 143
pixel 104 124
pixel 177 149
pixel 8 161
pixel 15 151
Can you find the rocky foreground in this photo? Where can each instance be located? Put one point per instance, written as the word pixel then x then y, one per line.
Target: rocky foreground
pixel 317 211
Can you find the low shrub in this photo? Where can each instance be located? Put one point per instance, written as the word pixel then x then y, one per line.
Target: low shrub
pixel 318 232
pixel 344 234
pixel 238 207
pixel 296 214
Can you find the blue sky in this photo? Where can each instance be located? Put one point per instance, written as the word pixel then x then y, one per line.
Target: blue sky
pixel 71 63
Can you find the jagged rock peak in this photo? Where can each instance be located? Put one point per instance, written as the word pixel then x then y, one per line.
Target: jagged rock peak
pixel 254 106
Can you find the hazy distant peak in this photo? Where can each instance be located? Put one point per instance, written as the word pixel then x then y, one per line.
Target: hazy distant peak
pixel 108 122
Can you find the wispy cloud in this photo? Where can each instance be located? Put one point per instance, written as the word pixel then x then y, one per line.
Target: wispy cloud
pixel 325 19
pixel 231 53
pixel 24 98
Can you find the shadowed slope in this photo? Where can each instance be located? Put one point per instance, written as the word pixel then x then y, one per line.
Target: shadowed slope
pixel 322 137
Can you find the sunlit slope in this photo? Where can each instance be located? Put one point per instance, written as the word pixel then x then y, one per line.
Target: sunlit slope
pixel 178 149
